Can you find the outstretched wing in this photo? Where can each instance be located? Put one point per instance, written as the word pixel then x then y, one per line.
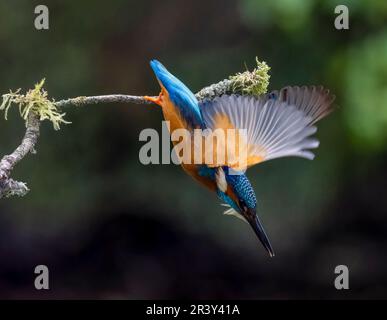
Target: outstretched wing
pixel 314 102
pixel 277 125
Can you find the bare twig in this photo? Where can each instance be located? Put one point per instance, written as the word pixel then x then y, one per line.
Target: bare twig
pixel 111 98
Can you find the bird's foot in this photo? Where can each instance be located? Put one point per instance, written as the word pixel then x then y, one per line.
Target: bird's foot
pixel 156 100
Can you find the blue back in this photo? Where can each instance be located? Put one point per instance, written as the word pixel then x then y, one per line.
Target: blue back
pixel 179 94
pixel 242 189
pixel 239 183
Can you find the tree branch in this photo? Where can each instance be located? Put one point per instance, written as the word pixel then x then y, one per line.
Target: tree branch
pixel 8 186
pixel 35 107
pixel 111 98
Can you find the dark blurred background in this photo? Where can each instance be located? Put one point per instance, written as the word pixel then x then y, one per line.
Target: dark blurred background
pixel 110 227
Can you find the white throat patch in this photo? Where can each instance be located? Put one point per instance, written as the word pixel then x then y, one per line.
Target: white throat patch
pixel 220 178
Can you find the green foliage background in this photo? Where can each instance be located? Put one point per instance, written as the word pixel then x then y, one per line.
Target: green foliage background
pixel 89 172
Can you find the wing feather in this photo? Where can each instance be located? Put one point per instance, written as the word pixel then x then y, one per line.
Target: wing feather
pixel 279 124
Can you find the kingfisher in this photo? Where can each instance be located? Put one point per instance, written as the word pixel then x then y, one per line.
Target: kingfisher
pixel 278 124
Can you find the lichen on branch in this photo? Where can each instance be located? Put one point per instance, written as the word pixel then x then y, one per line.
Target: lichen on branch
pixel 34 101
pixel 254 82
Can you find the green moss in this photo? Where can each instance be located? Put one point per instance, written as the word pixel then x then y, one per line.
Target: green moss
pixel 36 101
pixel 253 82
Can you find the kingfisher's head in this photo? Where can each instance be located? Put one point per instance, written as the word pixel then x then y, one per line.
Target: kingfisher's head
pixel 237 192
pixel 172 88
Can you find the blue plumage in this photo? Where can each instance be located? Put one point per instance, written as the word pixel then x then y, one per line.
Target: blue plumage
pixel 239 183
pixel 182 109
pixel 186 101
pixel 242 189
pixel 205 171
pixel 179 94
pixel 278 124
pixel 226 199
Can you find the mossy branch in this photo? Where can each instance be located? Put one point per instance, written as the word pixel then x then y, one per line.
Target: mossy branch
pixel 34 101
pixel 35 106
pixel 253 83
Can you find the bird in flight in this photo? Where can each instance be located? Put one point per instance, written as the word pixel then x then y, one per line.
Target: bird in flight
pixel 278 124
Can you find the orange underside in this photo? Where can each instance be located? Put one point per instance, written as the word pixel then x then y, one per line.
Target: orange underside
pixel 172 114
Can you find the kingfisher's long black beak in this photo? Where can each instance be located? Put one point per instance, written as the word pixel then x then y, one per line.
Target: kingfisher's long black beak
pixel 253 220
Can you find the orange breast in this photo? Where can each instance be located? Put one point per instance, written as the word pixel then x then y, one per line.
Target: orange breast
pixel 172 114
